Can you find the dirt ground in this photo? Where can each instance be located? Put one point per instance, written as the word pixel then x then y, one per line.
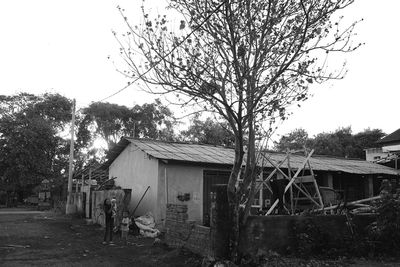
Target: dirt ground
pixel 32 238
pixel 29 238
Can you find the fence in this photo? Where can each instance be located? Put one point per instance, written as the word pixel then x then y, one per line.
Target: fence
pixel 261 233
pixel 98 197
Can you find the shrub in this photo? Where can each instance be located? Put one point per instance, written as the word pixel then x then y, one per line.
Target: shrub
pixel 309 240
pixel 384 233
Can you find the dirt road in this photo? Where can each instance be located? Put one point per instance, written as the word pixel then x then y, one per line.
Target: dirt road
pixel 29 238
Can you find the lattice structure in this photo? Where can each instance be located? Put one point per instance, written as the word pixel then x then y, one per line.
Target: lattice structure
pixel 300 188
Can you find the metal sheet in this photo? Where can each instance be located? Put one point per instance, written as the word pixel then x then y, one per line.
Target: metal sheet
pixel 222 155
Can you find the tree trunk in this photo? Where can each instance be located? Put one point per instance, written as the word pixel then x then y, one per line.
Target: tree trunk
pixel 235 233
pixel 233 199
pixel 250 174
pixel 238 216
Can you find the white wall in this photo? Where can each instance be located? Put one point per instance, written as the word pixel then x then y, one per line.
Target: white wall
pixel 374 154
pixel 392 148
pixel 136 170
pixel 162 193
pixel 182 179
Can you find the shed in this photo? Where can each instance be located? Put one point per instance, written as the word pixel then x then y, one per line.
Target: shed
pixel 184 172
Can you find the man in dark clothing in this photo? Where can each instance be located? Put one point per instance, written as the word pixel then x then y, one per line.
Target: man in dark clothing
pixel 109 221
pixel 278 192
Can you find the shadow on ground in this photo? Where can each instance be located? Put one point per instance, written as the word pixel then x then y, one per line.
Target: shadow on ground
pixel 47 239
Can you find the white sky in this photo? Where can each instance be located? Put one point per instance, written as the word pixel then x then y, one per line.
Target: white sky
pixel 62 46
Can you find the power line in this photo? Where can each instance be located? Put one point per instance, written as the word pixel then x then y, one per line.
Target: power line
pixel 169 53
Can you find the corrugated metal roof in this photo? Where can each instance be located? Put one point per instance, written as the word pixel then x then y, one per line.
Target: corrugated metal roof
pixel 390 138
pixel 185 152
pixel 222 155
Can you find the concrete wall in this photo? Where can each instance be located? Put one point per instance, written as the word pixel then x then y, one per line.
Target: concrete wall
pixel 162 193
pixel 86 189
pixel 182 179
pixel 76 205
pixel 183 233
pixel 137 170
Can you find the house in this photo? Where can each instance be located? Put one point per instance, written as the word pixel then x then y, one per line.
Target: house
pixel 185 173
pixel 387 152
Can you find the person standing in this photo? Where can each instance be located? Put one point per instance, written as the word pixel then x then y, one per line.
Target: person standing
pixel 109 220
pixel 114 214
pixel 126 221
pixel 278 186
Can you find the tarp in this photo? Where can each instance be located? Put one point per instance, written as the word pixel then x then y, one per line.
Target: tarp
pixel 146 224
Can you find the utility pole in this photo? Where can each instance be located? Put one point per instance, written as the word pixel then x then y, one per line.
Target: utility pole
pixel 88 193
pixel 82 182
pixel 69 208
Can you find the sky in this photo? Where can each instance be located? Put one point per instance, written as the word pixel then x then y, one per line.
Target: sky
pixel 63 47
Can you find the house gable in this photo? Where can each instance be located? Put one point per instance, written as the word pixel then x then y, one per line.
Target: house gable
pixel 137 170
pixel 390 139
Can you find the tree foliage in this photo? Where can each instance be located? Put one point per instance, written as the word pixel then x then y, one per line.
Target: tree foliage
pixel 245 60
pixel 340 143
pixel 366 139
pixel 30 148
pixel 154 121
pixel 295 140
pixel 112 121
pixel 209 132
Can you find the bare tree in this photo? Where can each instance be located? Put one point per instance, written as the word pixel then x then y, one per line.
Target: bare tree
pixel 245 60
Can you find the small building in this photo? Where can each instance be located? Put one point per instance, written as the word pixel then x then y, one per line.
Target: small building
pixel 387 151
pixel 165 172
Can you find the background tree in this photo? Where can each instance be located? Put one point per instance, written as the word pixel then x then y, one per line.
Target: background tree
pixel 366 139
pixel 295 140
pixel 111 122
pixel 245 60
pixel 154 121
pixel 31 148
pixel 340 143
pixel 210 132
pixel 106 120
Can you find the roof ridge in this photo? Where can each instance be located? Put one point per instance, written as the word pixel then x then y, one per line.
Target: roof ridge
pixel 175 142
pixel 227 147
pixel 212 154
pixel 314 155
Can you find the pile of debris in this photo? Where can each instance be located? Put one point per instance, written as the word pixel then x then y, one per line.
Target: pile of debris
pixel 146 225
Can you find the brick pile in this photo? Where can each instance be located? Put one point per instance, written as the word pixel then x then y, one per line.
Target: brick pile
pixel 180 232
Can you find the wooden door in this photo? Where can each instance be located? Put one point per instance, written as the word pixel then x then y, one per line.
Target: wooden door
pixel 211 178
